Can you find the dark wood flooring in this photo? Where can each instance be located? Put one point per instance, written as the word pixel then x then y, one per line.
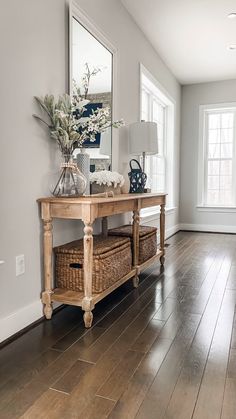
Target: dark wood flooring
pixel 164 350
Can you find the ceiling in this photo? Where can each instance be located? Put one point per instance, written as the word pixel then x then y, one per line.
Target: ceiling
pixel 191 36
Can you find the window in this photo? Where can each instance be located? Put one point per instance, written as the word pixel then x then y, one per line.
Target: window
pixel 217 152
pixel 157 107
pixel 153 110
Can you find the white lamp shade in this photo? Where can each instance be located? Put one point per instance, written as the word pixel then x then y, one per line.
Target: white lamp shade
pixel 143 138
pixel 105 142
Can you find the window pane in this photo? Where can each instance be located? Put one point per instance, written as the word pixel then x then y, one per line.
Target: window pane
pixel 213 182
pixel 225 198
pixel 161 165
pixel 225 182
pixel 156 174
pixel 227 120
pixel 153 110
pixel 214 168
pixel 225 167
pixel 214 121
pixel 212 197
pixel 214 151
pixel 226 135
pixel 214 136
pixel 226 150
pixel 161 183
pixel 220 137
pixel 228 198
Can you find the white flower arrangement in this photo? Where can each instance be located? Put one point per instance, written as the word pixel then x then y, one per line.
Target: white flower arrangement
pixel 66 123
pixel 105 177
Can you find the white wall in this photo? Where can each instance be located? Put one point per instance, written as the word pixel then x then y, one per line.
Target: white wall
pixel 34 61
pixel 192 97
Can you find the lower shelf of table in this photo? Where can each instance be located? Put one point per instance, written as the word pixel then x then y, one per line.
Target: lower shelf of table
pixel 150 261
pixel 75 298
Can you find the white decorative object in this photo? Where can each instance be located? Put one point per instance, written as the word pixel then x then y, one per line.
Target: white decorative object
pixel 105 181
pixel 83 163
pixel 143 139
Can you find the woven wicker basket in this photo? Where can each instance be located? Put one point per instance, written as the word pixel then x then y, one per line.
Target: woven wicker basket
pixel 147 240
pixel 112 259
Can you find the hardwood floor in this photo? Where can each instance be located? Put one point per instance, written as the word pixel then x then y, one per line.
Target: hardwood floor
pixel 166 350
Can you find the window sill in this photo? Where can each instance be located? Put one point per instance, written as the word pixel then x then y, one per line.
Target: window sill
pixel 154 215
pixel 206 208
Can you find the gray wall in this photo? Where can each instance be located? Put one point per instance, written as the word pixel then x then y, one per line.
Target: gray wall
pixel 34 61
pixel 192 97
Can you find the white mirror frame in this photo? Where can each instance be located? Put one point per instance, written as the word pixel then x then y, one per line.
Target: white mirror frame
pixel 76 12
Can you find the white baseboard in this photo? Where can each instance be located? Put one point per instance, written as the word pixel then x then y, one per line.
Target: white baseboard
pixel 208 228
pixel 172 230
pixel 17 321
pixel 169 232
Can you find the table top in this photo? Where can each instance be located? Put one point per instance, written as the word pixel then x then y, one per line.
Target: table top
pixel 90 199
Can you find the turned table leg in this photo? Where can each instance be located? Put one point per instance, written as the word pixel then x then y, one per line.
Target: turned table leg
pixel 136 220
pixel 162 234
pixel 47 248
pixel 87 302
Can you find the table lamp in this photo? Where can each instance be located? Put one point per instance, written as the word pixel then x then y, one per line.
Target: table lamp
pixel 143 139
pixel 105 143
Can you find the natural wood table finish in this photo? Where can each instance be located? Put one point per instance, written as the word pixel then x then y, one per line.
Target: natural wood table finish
pixel 88 209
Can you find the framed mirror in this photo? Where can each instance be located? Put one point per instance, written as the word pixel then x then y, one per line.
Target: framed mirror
pixel 91 69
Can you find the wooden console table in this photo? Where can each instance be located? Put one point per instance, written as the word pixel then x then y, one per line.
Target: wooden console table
pixel 88 209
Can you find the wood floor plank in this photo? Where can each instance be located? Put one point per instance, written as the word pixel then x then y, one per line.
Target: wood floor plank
pixel 158 396
pixel 102 310
pixel 146 339
pixel 229 402
pixel 197 303
pixel 233 340
pixel 76 334
pixel 17 383
pixel 170 328
pixel 72 377
pixel 132 397
pixel 231 284
pixel 99 408
pixel 210 398
pixel 45 406
pixel 117 382
pixel 185 394
pixel 93 353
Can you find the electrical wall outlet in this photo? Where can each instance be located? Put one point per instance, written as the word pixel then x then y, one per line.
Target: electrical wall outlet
pixel 20 265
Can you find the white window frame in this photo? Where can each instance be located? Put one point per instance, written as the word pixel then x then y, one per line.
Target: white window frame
pixel 169 145
pixel 204 110
pixel 151 99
